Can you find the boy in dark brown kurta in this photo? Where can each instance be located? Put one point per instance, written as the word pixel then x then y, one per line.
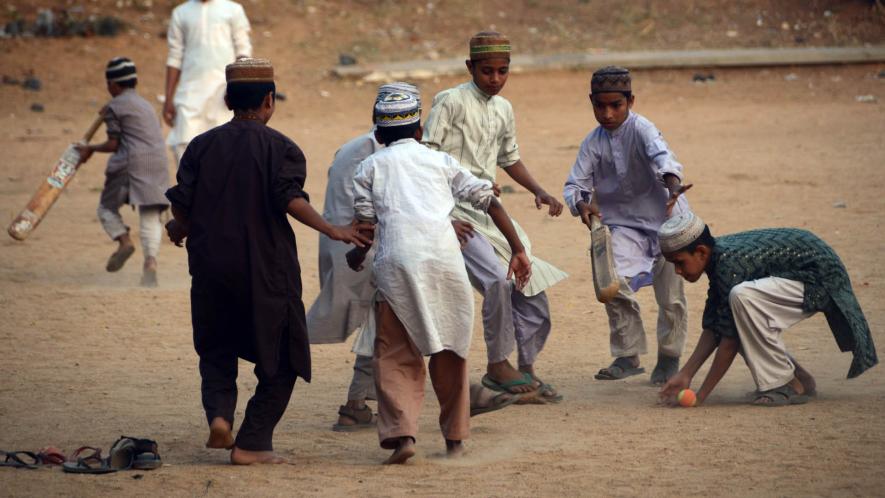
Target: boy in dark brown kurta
pixel 236 183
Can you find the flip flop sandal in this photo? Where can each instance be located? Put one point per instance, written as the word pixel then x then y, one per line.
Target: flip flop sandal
pixel 548 393
pixel 90 464
pixel 19 459
pixel 619 369
pixel 667 367
pixel 118 259
pixel 499 401
pixel 122 454
pixel 494 385
pixel 51 455
pixel 362 419
pixel 781 396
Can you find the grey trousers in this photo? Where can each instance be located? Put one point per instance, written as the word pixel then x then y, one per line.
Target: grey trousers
pixel 362 386
pixel 509 318
pixel 627 335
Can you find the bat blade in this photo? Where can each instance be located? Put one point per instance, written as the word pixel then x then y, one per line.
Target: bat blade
pixel 49 190
pixel 605 277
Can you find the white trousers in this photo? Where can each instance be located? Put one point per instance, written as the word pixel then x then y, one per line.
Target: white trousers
pixel 177 152
pixel 762 310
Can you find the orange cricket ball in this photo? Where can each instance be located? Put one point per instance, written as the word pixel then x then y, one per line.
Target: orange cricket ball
pixel 686 398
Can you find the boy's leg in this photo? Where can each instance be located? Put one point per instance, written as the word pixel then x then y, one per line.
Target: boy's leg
pixel 489 277
pixel 531 321
pixel 626 334
pixel 263 413
pixel 448 373
pixel 355 413
pixel 114 195
pixel 399 383
pixel 150 233
pixel 762 309
pixel 672 320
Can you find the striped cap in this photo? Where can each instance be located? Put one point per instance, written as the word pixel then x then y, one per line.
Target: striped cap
pixel 489 45
pixel 120 69
pixel 396 109
pixel 399 87
pixel 679 231
pixel 611 79
pixel 248 70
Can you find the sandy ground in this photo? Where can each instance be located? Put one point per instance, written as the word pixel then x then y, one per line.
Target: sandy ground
pixel 88 355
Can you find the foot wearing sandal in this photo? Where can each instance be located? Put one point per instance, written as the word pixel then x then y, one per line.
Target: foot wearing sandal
pixel 405 449
pixel 546 392
pixel 149 272
pixel 239 456
pixel 667 367
pixel 220 436
pixel 354 416
pixel 809 385
pixel 501 376
pixel 485 400
pixel 123 252
pixel 621 368
pixel 791 393
pixel 454 448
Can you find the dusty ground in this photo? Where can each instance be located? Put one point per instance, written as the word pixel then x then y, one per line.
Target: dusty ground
pixel 88 355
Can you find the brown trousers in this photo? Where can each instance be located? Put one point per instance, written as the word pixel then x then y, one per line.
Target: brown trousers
pixel 399 383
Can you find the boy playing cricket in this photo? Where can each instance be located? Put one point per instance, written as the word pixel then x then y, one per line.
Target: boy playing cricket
pixel 762 282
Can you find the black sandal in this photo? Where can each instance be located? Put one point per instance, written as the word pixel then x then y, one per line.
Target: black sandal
pixel 19 459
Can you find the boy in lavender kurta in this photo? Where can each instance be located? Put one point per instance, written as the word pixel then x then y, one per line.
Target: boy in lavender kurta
pixel 626 173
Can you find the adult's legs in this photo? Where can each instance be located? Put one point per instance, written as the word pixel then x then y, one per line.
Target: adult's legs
pixel 489 277
pixel 399 384
pixel 762 310
pixel 672 326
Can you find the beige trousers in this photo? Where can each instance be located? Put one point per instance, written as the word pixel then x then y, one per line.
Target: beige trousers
pixel 762 310
pixel 399 384
pixel 627 334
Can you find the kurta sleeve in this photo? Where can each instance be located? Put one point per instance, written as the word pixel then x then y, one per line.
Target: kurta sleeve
pixel 658 153
pixel 467 187
pixel 175 39
pixel 240 32
pixel 438 122
pixel 363 206
pixel 718 316
pixel 581 179
pixel 289 181
pixel 508 153
pixel 181 195
pixel 112 123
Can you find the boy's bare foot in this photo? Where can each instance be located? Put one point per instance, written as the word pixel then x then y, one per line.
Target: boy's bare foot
pixel 149 272
pixel 504 373
pixel 239 456
pixel 454 448
pixel 404 451
pixel 804 377
pixel 220 436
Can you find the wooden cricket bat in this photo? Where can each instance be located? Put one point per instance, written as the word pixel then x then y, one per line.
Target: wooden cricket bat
pixel 605 278
pixel 45 196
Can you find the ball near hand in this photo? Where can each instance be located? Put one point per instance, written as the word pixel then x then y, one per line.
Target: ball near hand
pixel 686 398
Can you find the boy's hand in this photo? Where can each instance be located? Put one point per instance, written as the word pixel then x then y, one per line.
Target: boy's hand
pixel 544 198
pixel 176 231
pixel 586 210
pixel 463 230
pixel 671 389
pixel 496 189
pixel 85 152
pixel 358 233
pixel 675 192
pixel 521 268
pixel 355 258
pixel 169 112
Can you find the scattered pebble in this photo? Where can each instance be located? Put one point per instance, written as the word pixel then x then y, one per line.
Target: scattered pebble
pixel 9 80
pixel 346 60
pixel 785 26
pixel 881 75
pixel 869 99
pixel 791 77
pixel 37 107
pixel 324 94
pixel 703 78
pixel 840 204
pixel 32 83
pixel 731 33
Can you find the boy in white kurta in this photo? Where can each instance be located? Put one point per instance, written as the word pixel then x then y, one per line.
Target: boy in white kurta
pixel 425 303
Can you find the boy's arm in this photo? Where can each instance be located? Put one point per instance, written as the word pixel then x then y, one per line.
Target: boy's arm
pixel 682 380
pixel 302 211
pixel 725 353
pixel 521 175
pixel 112 125
pixel 520 265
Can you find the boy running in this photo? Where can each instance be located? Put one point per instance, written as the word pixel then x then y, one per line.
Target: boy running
pixel 763 282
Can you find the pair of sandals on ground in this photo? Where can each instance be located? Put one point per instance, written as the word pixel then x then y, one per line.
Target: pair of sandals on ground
pixel 488 397
pixel 125 454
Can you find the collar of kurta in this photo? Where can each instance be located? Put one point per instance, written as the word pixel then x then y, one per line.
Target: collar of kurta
pixel 481 95
pixel 401 141
pixel 620 130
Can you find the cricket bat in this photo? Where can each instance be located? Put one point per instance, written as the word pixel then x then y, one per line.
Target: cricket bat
pixel 605 278
pixel 49 190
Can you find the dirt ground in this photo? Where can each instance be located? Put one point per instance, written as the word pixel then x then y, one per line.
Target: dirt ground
pixel 89 355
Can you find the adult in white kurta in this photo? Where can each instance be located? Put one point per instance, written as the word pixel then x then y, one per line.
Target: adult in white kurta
pixel 410 190
pixel 204 36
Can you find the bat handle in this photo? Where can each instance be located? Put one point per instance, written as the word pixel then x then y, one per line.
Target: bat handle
pixel 595 222
pixel 93 128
